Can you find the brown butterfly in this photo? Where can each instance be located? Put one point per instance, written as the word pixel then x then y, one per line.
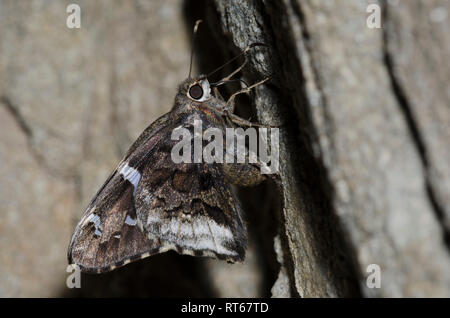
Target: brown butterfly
pixel 150 204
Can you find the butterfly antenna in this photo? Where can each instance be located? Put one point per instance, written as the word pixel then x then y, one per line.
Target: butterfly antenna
pixel 192 46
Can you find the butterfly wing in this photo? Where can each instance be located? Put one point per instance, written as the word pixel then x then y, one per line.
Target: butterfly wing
pixel 190 208
pixel 150 205
pixel 107 236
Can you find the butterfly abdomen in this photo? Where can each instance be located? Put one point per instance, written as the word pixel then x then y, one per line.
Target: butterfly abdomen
pixel 245 175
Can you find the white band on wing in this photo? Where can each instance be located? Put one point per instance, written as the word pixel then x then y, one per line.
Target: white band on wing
pixel 130 221
pixel 132 175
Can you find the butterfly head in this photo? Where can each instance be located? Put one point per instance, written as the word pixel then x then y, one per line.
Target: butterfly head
pixel 195 91
pixel 198 89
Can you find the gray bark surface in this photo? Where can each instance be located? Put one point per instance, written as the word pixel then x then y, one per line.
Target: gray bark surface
pixel 365 115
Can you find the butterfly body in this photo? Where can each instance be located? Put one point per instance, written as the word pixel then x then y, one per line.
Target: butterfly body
pixel 150 204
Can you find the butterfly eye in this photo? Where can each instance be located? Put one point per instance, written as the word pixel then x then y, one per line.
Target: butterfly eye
pixel 196 91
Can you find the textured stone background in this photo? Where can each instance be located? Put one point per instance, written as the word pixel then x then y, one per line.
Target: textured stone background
pixel 365 140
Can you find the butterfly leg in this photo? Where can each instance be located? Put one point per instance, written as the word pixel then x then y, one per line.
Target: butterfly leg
pixel 217 94
pixel 230 103
pixel 229 108
pixel 243 122
pixel 234 120
pixel 227 78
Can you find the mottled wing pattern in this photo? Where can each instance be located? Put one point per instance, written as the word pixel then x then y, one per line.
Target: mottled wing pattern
pixel 150 205
pixel 107 235
pixel 190 208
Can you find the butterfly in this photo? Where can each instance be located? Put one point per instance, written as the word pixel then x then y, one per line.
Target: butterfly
pixel 150 204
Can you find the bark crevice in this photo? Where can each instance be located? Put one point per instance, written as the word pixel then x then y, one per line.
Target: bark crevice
pixel 322 258
pixel 410 119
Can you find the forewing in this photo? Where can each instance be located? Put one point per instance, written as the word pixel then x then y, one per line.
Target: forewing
pixel 107 235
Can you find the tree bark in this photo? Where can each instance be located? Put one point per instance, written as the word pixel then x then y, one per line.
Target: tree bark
pixel 364 117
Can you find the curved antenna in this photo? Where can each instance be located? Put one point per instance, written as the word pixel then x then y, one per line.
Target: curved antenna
pixel 192 45
pixel 237 56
